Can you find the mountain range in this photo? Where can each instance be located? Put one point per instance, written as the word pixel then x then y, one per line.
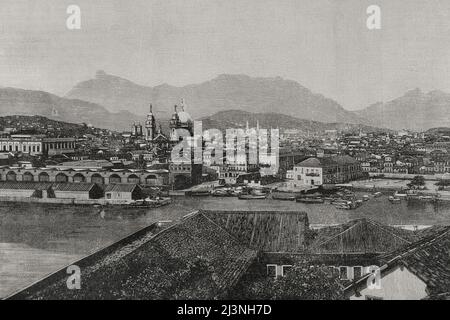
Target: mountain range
pixel 225 92
pixel 108 101
pixel 415 110
pixel 238 119
pixel 28 102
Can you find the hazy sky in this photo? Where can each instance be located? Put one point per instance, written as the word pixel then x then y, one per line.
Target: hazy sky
pixel 323 44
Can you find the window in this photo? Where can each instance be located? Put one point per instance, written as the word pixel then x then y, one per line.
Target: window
pixel 272 270
pixel 285 270
pixel 343 273
pixel 108 195
pixel 357 272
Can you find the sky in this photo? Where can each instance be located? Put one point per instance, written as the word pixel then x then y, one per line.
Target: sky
pixel 325 45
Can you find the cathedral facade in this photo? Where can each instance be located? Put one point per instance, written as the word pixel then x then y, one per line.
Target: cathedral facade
pixel 182 174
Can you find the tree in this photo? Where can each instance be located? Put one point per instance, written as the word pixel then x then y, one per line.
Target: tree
pixel 417 181
pixel 302 282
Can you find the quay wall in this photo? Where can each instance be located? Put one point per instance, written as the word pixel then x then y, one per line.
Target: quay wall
pixel 406 176
pixel 70 201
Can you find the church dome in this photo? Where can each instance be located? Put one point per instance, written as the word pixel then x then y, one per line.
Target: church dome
pixel 184 117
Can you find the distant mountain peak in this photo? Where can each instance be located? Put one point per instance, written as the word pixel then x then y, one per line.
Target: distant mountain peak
pixel 100 74
pixel 414 110
pixel 414 92
pixel 224 92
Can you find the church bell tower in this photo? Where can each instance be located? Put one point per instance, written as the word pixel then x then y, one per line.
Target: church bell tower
pixel 150 125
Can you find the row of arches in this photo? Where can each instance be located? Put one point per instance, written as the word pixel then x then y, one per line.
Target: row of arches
pixel 78 178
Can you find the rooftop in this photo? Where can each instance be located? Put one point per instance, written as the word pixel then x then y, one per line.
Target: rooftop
pixel 25 185
pixel 360 236
pixel 83 164
pixel 121 187
pixel 268 231
pixel 194 259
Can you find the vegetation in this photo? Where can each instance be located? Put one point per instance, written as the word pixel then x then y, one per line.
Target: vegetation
pixel 443 183
pixel 417 182
pixel 303 282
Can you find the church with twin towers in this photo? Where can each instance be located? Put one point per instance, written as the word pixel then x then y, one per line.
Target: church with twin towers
pixel 150 131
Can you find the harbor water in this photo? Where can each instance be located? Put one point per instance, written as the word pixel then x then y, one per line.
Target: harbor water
pixel 36 240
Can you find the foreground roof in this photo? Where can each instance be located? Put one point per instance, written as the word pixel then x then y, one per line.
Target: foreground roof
pixel 360 236
pixel 427 258
pixel 267 231
pixel 194 259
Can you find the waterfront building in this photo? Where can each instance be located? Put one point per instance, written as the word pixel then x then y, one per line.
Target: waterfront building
pixel 25 189
pixel 43 190
pixel 78 191
pixel 328 170
pixel 123 192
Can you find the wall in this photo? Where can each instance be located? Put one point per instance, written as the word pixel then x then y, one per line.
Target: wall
pixel 162 178
pixel 400 284
pixel 118 195
pixel 302 177
pixel 16 193
pixel 81 195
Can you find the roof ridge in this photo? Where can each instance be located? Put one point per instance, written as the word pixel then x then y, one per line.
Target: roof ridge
pixel 340 233
pixel 358 222
pixel 386 228
pixel 202 212
pixel 418 245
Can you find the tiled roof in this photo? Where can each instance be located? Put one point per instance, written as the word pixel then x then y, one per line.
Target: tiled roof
pixel 194 259
pixel 360 237
pixel 315 162
pixel 120 187
pixel 74 187
pixel 25 185
pixel 268 231
pixel 428 259
pixel 326 161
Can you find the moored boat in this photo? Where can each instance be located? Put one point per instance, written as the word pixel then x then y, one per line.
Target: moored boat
pixel 149 203
pixel 222 193
pixel 377 194
pixel 283 196
pixel 252 197
pixel 310 200
pixel 203 193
